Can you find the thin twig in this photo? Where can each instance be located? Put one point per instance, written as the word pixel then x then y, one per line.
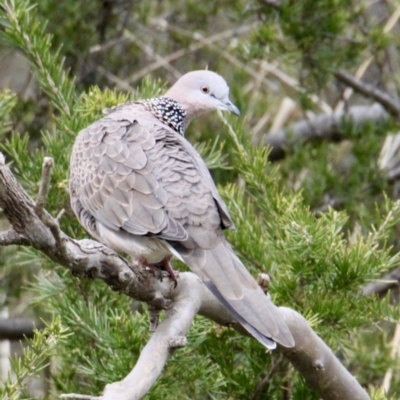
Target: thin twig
pixel 149 51
pixel 44 186
pixel 249 258
pixel 60 215
pixel 54 227
pixel 264 382
pixel 48 220
pixel 294 84
pixel 229 57
pixel 120 83
pixel 394 354
pixel 347 93
pixel 106 45
pixel 252 88
pixel 162 24
pixel 285 110
pixel 390 104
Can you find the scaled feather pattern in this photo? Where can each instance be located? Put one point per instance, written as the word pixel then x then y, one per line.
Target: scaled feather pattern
pixel 140 187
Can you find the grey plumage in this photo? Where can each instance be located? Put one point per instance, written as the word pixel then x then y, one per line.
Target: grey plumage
pixel 140 187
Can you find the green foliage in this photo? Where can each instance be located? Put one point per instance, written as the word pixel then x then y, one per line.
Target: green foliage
pixel 33 360
pixel 319 258
pixel 18 17
pixel 8 101
pixel 320 35
pixel 314 268
pixel 105 330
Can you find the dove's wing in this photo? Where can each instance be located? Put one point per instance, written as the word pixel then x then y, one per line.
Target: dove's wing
pixel 131 172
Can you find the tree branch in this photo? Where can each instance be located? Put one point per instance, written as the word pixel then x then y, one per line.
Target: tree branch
pixel 162 24
pixel 10 237
pixel 18 328
pixel 44 186
pixel 390 104
pixel 310 356
pixel 391 280
pixel 316 362
pixel 330 126
pixel 264 382
pixel 323 126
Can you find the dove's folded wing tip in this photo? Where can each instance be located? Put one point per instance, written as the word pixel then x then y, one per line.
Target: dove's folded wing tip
pixel 269 344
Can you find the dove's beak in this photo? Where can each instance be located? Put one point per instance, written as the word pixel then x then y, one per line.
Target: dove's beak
pixel 229 106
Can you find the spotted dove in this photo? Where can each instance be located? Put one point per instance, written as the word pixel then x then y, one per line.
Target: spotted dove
pixel 140 187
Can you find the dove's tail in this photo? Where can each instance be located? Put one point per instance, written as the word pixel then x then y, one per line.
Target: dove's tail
pixel 232 284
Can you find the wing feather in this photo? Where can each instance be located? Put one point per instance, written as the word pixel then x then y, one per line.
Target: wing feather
pixel 134 173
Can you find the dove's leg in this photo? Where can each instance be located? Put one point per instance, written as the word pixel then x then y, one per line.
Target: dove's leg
pixel 164 264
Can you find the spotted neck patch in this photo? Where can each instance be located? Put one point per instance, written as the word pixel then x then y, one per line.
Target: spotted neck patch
pixel 168 111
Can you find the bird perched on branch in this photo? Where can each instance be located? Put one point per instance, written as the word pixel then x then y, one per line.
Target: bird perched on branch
pixel 140 187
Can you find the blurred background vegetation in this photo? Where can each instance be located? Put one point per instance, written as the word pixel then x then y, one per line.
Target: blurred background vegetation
pixel 318 211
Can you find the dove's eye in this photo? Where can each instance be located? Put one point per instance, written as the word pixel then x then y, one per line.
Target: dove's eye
pixel 205 89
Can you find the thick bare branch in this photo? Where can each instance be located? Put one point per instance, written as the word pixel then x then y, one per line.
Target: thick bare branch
pixel 320 368
pixel 310 356
pixel 187 301
pixel 323 126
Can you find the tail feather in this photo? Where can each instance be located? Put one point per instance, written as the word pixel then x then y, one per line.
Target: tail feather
pixel 266 341
pixel 229 280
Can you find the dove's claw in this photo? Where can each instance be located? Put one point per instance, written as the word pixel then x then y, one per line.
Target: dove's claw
pixel 162 265
pixel 166 266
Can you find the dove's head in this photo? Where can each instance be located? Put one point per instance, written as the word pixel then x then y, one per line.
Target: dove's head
pixel 201 91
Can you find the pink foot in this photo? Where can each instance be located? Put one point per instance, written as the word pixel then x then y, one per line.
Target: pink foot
pixel 166 266
pixel 163 265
